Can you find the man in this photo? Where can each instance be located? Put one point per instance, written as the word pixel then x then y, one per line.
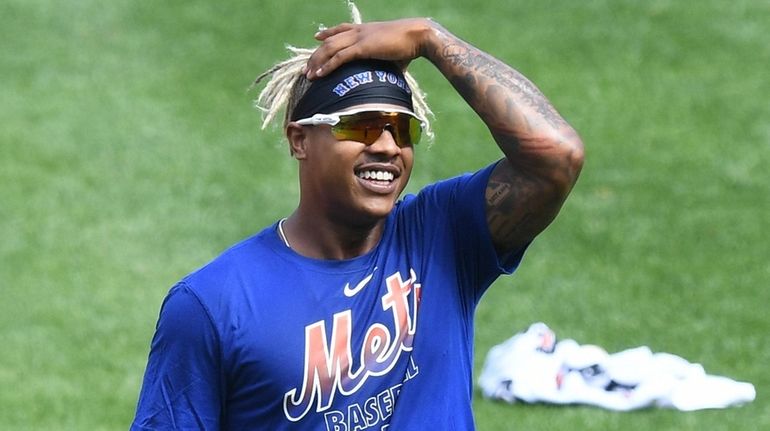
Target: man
pixel 356 312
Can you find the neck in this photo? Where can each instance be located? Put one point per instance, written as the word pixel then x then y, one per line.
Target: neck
pixel 321 238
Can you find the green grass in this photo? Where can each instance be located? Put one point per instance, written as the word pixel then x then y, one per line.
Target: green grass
pixel 129 155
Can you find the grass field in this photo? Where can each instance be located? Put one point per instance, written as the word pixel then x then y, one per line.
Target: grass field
pixel 130 155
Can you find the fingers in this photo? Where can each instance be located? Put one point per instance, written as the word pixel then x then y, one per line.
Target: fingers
pixel 339 58
pixel 338 47
pixel 328 32
pixel 398 41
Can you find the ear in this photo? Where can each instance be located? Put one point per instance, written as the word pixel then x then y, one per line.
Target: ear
pixel 298 139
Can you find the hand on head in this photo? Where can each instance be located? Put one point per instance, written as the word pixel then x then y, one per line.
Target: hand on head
pixel 399 41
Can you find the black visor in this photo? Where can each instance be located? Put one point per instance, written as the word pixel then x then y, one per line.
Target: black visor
pixel 352 84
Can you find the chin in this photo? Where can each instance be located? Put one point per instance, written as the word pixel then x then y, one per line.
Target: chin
pixel 373 212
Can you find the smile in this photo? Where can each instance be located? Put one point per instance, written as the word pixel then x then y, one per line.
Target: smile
pixel 376 175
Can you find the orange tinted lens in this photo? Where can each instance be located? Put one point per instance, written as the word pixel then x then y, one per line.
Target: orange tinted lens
pixel 366 127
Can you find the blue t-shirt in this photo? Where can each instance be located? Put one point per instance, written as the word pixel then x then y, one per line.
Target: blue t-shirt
pixel 262 338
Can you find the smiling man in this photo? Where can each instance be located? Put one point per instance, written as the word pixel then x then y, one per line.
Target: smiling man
pixel 353 133
pixel 356 311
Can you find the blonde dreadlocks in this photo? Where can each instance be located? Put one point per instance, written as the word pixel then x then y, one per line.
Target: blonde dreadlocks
pixel 287 85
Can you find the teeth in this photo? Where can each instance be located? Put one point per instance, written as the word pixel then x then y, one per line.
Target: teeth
pixel 376 175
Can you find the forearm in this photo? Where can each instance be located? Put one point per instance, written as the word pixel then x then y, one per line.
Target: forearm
pixel 526 127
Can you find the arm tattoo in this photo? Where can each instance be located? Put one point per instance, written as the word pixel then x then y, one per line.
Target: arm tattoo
pixel 502 78
pixel 512 224
pixel 543 153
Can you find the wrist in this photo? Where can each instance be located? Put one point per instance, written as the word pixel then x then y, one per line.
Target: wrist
pixel 433 38
pixel 422 32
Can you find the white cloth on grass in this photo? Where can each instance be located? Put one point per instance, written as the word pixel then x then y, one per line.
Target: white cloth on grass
pixel 533 367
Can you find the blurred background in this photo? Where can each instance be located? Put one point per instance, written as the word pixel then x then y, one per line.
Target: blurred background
pixel 130 154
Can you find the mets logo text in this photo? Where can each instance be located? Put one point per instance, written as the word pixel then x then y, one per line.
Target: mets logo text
pixel 328 364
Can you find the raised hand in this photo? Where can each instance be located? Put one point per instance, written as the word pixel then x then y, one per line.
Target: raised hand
pixel 400 41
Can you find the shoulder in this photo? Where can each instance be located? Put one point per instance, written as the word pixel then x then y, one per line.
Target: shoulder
pixel 463 190
pixel 248 261
pixel 468 182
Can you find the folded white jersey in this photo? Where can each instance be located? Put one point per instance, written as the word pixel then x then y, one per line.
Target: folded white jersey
pixel 532 367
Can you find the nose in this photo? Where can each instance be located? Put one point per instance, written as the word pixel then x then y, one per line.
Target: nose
pixel 385 144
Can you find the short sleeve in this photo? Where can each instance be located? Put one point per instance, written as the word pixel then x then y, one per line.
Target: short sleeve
pixel 453 213
pixel 469 206
pixel 183 382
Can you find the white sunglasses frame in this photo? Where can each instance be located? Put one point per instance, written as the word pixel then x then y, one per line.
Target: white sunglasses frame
pixel 334 118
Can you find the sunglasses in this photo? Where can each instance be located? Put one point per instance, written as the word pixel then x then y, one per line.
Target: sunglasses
pixel 366 126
